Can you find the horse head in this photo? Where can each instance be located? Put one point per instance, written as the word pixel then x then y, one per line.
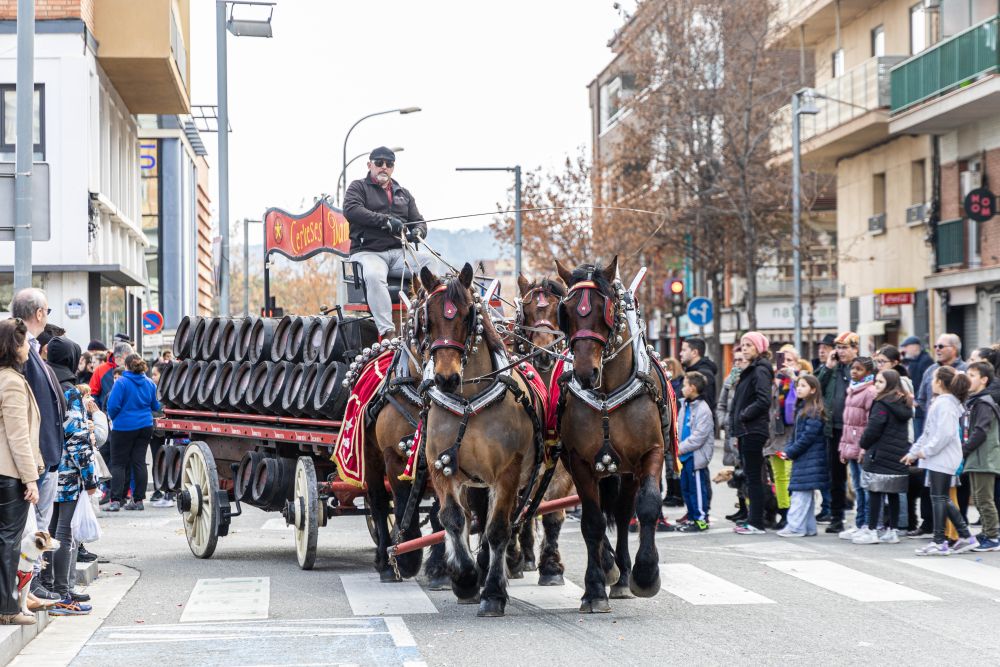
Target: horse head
pixel 589 316
pixel 538 311
pixel 451 322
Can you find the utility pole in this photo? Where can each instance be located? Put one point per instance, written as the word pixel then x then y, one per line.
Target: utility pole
pixel 222 90
pixel 25 148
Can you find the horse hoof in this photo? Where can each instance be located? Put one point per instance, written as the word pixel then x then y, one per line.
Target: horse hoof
pixel 551 580
pixel 530 565
pixel 601 606
pixel 473 600
pixel 387 577
pixel 491 608
pixel 649 592
pixel 613 575
pixel 442 583
pixel 620 592
pixel 516 575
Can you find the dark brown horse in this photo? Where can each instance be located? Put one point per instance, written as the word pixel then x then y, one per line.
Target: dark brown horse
pixel 613 425
pixel 387 441
pixel 478 433
pixel 536 322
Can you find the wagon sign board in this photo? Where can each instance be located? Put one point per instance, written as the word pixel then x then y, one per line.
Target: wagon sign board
pixel 321 229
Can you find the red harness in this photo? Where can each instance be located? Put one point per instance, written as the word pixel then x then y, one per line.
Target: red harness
pixel 583 309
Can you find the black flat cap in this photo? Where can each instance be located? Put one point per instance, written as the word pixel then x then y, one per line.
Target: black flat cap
pixel 829 340
pixel 382 153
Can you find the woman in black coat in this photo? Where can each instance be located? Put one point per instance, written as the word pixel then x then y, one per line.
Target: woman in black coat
pixel 749 423
pixel 886 441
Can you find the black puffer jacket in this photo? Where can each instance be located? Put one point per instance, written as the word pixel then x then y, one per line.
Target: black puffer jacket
pixel 887 437
pixel 752 400
pixel 707 368
pixel 367 207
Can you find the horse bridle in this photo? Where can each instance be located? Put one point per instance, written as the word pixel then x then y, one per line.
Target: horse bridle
pixel 541 294
pixel 474 325
pixel 614 315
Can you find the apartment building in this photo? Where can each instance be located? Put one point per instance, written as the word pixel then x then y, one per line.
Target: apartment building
pixel 883 179
pixel 98 63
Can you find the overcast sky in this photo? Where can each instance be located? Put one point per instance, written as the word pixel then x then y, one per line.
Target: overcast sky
pixel 500 83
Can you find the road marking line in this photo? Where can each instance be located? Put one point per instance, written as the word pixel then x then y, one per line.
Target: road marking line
pixel 848 582
pixel 699 587
pixel 232 599
pixel 772 548
pixel 371 597
pixel 966 570
pixel 527 590
pixel 60 642
pixel 275 524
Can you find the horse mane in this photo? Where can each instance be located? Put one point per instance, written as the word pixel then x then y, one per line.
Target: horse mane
pixel 553 286
pixel 458 294
pixel 594 272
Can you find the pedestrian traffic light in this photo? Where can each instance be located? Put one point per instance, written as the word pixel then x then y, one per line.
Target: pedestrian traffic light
pixel 677 297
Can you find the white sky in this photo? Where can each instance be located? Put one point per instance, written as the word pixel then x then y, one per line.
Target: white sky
pixel 500 83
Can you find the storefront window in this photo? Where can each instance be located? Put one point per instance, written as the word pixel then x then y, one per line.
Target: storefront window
pixel 7 287
pixel 113 311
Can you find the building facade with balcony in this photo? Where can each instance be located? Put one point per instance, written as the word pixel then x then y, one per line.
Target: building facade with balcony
pixel 883 179
pixel 98 63
pixel 951 93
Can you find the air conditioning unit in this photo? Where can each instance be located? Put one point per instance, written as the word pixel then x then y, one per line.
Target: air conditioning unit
pixel 876 224
pixel 916 214
pixel 969 181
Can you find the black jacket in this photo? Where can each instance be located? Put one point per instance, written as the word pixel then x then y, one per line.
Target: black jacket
pixel 917 367
pixel 752 400
pixel 63 358
pixel 366 207
pixel 887 437
pixel 834 382
pixel 51 408
pixel 707 368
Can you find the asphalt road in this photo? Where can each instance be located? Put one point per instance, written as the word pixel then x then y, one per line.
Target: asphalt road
pixel 726 599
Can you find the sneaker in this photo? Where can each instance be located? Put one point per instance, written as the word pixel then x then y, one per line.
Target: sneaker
pixel 68 607
pixel 79 597
pixel 156 495
pixel 865 536
pixel 44 594
pixel 84 556
pixel 824 517
pixel 135 505
pixel 834 528
pixel 847 534
pixel 698 526
pixel 113 506
pixel 919 533
pixel 737 517
pixel 964 544
pixel 986 544
pixel 162 502
pixel 664 526
pixel 748 529
pixel 934 549
pixel 788 532
pixel 889 536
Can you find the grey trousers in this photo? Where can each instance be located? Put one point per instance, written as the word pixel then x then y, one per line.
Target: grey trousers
pixel 377 266
pixel 47 486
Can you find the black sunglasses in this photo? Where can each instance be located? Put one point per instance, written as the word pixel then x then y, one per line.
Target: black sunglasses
pixel 384 163
pixel 48 311
pixel 939 346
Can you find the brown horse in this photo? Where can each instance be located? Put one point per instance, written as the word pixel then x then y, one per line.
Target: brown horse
pixel 387 440
pixel 479 433
pixel 536 323
pixel 613 424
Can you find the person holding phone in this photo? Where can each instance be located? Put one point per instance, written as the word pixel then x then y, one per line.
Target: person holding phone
pixel 835 377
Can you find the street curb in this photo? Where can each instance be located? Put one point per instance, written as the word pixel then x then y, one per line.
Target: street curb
pixel 15 637
pixel 86 573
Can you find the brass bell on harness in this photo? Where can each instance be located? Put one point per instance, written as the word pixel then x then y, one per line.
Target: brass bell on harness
pixel 523 366
pixel 346 384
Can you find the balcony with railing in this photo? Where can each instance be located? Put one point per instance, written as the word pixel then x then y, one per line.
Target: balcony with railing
pixel 951 84
pixel 852 114
pixel 949 245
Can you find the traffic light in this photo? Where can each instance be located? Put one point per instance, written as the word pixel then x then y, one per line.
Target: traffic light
pixel 677 297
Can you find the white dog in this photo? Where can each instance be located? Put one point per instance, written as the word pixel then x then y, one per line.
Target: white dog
pixel 33 545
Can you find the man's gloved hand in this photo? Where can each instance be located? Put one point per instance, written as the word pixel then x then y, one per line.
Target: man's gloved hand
pixel 393 225
pixel 415 235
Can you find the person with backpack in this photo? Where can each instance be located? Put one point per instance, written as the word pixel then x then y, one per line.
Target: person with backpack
pixel 981 449
pixel 885 441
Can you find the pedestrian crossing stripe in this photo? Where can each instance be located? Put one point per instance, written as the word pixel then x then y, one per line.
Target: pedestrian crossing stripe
pixel 847 581
pixel 974 572
pixel 235 598
pixel 527 590
pixel 699 587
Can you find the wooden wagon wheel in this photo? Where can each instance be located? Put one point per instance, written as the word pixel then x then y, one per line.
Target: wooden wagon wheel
pixel 372 529
pixel 199 508
pixel 307 508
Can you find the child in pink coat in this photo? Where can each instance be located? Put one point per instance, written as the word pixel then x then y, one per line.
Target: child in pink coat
pixel 857 406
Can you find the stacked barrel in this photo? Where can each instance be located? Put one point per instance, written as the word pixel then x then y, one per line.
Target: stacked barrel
pixel 292 367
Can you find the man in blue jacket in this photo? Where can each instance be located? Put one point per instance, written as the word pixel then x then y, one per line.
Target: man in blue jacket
pixel 32 306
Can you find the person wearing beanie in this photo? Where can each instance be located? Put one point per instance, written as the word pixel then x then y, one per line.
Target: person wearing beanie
pixel 834 378
pixel 749 423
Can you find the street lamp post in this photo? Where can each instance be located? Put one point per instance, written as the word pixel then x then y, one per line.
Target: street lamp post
pixel 343 170
pixel 239 27
pixel 517 208
pixel 343 173
pixel 798 109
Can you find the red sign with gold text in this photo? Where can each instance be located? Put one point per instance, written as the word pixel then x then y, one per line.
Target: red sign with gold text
pixel 321 229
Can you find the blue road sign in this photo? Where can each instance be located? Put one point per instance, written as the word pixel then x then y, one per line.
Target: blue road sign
pixel 700 311
pixel 152 322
